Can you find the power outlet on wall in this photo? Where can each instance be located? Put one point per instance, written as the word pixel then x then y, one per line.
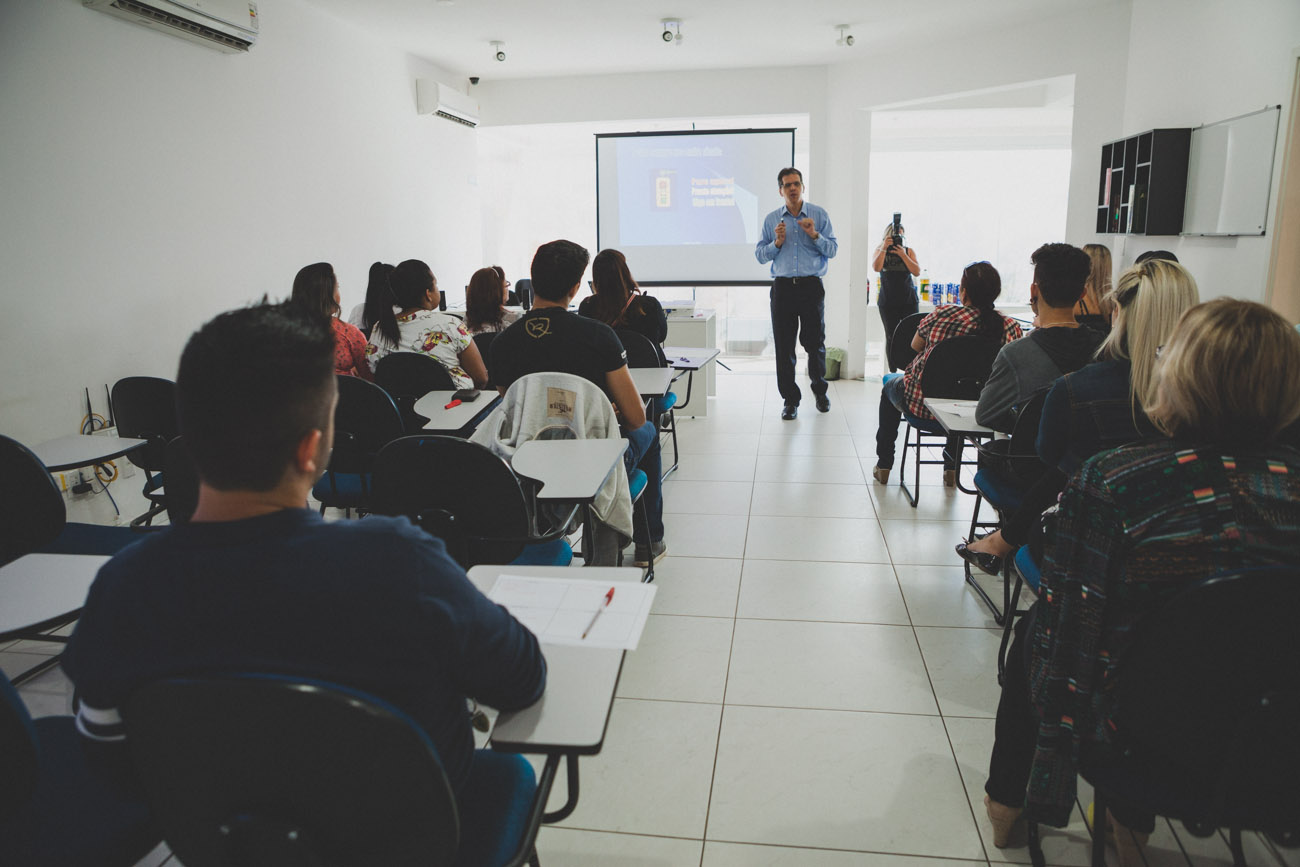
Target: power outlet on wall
pixel 125 469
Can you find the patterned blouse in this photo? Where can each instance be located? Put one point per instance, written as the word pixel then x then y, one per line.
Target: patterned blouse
pixel 1136 525
pixel 953 320
pixel 350 350
pixel 429 332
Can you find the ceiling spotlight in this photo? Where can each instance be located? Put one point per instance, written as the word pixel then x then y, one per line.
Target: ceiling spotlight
pixel 672 30
pixel 499 50
pixel 846 38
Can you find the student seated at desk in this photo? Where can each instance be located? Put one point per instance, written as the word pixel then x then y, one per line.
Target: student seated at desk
pixel 317 289
pixel 549 338
pixel 619 302
pixel 485 302
pixel 1137 525
pixel 421 327
pixel 257 582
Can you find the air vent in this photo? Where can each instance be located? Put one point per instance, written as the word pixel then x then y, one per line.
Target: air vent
pixel 466 121
pixel 178 23
pixel 229 26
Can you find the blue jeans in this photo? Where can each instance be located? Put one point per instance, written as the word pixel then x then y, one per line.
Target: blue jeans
pixel 893 404
pixel 643 453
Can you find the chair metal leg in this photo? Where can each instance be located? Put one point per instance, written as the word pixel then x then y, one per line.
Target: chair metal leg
pixel 1234 843
pixel 902 466
pixel 672 430
pixel 1035 845
pixel 571 765
pixel 999 617
pixel 1009 619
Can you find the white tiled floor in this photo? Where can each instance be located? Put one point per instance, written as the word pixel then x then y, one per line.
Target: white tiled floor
pixel 816 686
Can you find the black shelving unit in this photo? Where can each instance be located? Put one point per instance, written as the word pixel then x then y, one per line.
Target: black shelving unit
pixel 1143 183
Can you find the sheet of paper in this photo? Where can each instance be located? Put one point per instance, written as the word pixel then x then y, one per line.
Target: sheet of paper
pixel 558 610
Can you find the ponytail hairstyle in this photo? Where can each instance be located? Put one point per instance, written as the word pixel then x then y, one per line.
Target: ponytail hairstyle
pixel 1098 286
pixel 379 297
pixel 614 286
pixel 313 288
pixel 1151 298
pixel 983 284
pixel 410 282
pixel 484 305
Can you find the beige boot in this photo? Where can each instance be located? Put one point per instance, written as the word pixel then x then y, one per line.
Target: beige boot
pixel 950 478
pixel 1003 819
pixel 881 475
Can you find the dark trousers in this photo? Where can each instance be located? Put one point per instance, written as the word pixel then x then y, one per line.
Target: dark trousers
pixel 799 308
pixel 1017 526
pixel 892 401
pixel 1016 731
pixel 896 304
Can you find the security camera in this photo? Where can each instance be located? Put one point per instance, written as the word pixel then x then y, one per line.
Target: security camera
pixel 501 56
pixel 473 79
pixel 499 50
pixel 668 36
pixel 848 40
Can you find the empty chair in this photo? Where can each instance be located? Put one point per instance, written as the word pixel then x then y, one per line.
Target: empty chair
pixel 272 770
pixel 54 810
pixel 365 420
pixel 409 376
pixel 465 495
pixel 145 407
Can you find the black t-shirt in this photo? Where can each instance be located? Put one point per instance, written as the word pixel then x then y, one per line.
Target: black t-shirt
pixel 553 340
pixel 645 316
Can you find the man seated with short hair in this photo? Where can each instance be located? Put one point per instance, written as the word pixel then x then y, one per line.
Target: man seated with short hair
pixel 550 338
pixel 1058 344
pixel 258 582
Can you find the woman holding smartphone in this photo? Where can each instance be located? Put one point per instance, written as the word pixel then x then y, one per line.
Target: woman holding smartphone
pixel 897 265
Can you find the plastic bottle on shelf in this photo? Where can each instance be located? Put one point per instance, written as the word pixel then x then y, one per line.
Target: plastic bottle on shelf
pixel 936 293
pixel 925 285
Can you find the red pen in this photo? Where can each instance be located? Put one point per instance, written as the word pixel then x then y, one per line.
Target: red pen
pixel 455 402
pixel 609 597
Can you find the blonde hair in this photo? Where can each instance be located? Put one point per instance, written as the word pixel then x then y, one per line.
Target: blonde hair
pixel 1149 298
pixel 1229 375
pixel 1097 287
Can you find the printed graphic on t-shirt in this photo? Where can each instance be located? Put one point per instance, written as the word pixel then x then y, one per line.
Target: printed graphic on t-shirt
pixel 560 402
pixel 539 327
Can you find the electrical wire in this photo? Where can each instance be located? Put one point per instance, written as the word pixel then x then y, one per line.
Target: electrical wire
pixel 92 422
pixel 104 490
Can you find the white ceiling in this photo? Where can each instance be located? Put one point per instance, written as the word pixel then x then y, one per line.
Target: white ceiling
pixel 589 37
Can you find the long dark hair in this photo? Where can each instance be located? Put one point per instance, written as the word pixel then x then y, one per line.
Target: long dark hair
pixel 379 296
pixel 483 296
pixel 409 282
pixel 983 285
pixel 614 286
pixel 313 288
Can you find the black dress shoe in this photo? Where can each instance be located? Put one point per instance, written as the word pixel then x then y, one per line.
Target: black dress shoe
pixel 791 410
pixel 823 404
pixel 990 564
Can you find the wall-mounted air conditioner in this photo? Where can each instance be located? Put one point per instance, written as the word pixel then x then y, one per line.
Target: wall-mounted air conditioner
pixel 226 25
pixel 433 97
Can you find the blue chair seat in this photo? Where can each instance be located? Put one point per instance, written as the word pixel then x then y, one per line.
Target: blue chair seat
pixel 636 482
pixel 661 405
pixel 1028 568
pixel 1004 494
pixel 91 539
pixel 925 425
pixel 348 490
pixel 554 553
pixel 494 808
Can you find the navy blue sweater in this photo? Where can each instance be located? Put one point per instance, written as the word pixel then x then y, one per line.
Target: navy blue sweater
pixel 374 604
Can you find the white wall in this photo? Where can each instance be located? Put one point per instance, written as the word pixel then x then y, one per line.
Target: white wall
pixel 1193 62
pixel 149 183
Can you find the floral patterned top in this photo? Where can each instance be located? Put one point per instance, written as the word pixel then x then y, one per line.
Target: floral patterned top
pixel 431 333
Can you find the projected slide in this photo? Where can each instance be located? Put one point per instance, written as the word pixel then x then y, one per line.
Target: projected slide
pixel 689 207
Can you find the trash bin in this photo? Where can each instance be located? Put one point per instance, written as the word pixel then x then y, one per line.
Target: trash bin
pixel 834 358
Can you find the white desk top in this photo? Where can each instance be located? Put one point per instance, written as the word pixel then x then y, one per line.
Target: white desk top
pixel 689 357
pixel 574 710
pixel 957 417
pixel 570 471
pixel 441 420
pixel 42 587
pixel 652 381
pixel 78 450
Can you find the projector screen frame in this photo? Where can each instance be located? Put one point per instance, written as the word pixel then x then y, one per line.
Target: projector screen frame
pixel 665 133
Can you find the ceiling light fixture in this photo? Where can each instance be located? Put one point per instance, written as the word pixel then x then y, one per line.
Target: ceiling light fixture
pixel 498 50
pixel 672 30
pixel 846 38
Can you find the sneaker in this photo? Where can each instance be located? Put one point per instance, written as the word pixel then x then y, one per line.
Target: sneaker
pixel 642 556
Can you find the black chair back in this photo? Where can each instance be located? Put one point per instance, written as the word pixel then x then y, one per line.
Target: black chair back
pixel 32 512
pixel 641 350
pixel 524 292
pixel 957 368
pixel 409 376
pixel 19 755
pixel 262 770
pixel 182 482
pixel 483 342
pixel 365 420
pixel 145 407
pixel 1208 699
pixel 899 349
pixel 456 490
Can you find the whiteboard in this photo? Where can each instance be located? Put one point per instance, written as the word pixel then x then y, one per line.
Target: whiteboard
pixel 1230 174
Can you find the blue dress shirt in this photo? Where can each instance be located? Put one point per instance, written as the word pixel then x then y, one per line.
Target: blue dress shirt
pixel 800 255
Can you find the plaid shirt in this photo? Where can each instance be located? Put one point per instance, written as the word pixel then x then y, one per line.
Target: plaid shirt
pixel 953 320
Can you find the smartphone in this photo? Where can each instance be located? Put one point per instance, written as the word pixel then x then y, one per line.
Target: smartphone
pixel 466 395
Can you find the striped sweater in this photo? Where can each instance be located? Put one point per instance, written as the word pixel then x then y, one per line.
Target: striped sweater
pixel 1136 525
